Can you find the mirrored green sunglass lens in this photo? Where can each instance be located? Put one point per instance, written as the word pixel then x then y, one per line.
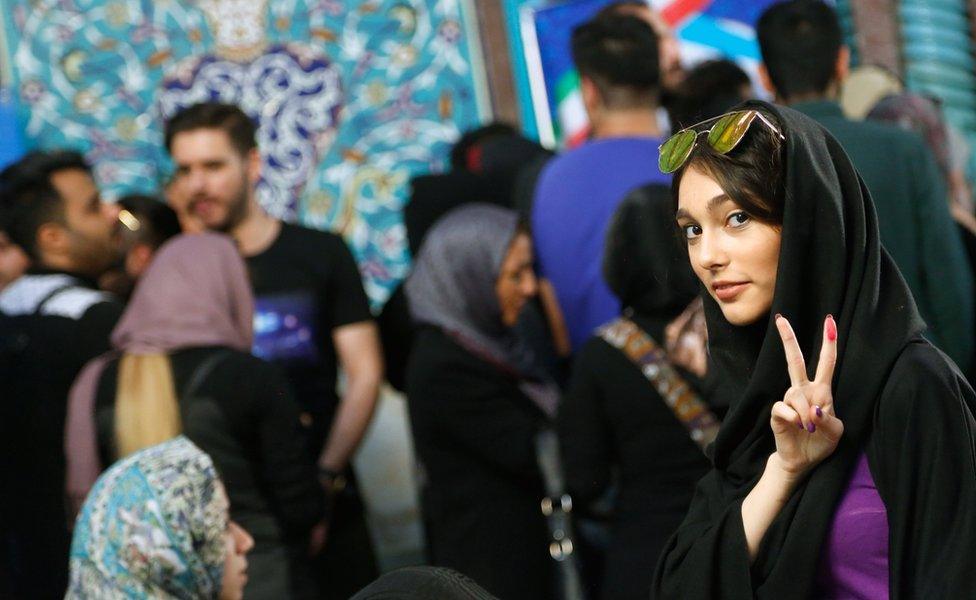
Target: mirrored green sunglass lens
pixel 675 151
pixel 730 130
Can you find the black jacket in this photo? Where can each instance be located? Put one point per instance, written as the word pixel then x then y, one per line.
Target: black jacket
pixel 474 433
pixel 612 419
pixel 51 324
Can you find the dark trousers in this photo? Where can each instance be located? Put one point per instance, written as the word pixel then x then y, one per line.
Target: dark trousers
pixel 348 563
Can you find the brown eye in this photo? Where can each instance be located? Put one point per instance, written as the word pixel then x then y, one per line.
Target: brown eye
pixel 738 219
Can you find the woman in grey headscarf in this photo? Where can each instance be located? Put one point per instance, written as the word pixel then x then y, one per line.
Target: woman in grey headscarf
pixel 477 403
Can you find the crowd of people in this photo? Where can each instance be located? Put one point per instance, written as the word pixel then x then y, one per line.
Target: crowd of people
pixel 722 349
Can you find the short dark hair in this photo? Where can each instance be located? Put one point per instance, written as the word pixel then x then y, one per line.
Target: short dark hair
pixel 157 221
pixel 800 41
pixel 29 209
pixel 4 216
pixel 229 118
pixel 751 174
pixel 30 199
pixel 620 54
pixel 475 137
pixel 37 166
pixel 708 90
pixel 620 7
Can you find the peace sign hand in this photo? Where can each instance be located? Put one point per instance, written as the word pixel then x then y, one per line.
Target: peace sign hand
pixel 803 423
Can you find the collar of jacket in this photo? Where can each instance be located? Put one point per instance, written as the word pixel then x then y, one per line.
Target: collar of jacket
pixel 817 109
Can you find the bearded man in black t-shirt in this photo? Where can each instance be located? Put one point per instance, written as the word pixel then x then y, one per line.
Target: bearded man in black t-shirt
pixel 312 316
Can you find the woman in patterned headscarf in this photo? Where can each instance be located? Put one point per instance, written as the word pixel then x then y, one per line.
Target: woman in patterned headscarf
pixel 156 525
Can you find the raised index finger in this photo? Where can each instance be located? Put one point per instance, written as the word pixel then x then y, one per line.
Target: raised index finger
pixel 794 356
pixel 828 352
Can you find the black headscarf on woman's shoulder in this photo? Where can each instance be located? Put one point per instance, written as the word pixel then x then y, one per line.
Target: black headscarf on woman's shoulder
pixel 831 262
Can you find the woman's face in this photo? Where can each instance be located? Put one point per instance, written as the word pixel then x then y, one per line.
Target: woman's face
pixel 237 543
pixel 516 282
pixel 733 254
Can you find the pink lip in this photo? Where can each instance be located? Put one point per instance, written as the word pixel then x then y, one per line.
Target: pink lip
pixel 202 207
pixel 727 291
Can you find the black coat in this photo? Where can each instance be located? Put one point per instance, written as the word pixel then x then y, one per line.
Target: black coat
pixel 45 340
pixel 474 433
pixel 612 418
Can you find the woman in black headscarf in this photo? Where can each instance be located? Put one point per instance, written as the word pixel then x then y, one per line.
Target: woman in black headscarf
pixel 613 419
pixel 855 476
pixel 477 403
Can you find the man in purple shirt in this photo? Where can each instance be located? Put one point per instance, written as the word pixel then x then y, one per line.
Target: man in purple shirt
pixel 578 192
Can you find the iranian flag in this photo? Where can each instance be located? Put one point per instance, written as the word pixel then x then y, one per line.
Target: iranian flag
pixel 705 29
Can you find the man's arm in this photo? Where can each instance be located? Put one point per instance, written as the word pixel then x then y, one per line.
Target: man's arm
pixel 358 350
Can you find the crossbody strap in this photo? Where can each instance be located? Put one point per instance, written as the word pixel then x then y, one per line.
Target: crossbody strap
pixel 203 370
pixel 701 423
pixel 50 296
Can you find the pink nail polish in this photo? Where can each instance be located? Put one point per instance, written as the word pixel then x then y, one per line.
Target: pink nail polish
pixel 831 329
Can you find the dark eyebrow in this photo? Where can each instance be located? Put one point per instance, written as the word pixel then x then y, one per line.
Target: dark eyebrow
pixel 718 201
pixel 710 206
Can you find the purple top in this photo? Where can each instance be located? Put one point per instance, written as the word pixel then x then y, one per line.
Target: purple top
pixel 854 563
pixel 575 198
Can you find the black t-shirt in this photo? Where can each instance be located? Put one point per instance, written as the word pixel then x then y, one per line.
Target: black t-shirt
pixel 306 284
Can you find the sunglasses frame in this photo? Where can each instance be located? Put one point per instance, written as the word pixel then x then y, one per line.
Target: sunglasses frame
pixel 749 114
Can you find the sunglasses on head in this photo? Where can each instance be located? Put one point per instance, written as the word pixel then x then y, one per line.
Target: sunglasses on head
pixel 723 136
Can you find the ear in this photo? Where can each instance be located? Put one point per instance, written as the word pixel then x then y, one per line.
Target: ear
pixel 52 239
pixel 765 80
pixel 591 96
pixel 137 260
pixel 843 66
pixel 253 165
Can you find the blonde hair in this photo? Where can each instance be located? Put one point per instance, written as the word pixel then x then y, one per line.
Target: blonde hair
pixel 146 409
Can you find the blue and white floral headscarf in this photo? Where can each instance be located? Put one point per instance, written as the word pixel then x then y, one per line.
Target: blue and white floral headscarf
pixel 152 526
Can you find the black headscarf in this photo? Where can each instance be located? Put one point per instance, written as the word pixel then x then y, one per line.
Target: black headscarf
pixel 644 264
pixel 433 196
pixel 423 583
pixel 831 262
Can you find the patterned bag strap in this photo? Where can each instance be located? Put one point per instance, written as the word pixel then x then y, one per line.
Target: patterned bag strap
pixel 624 335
